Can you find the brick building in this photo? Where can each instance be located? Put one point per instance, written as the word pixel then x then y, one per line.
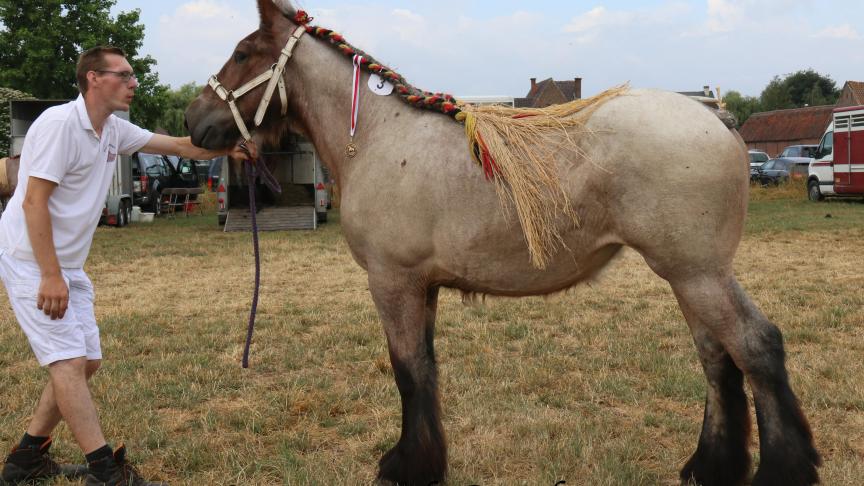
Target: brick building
pixel 852 94
pixel 550 92
pixel 771 131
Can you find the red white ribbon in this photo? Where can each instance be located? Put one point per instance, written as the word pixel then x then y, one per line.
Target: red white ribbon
pixel 355 93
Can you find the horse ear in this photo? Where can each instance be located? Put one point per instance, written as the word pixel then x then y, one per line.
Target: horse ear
pixel 270 10
pixel 286 8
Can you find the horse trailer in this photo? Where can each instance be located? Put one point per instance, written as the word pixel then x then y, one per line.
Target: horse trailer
pixel 118 202
pixel 302 204
pixel 838 168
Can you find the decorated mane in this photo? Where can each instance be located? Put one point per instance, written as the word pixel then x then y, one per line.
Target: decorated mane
pixel 516 147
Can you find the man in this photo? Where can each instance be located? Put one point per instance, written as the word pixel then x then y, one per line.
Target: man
pixel 67 162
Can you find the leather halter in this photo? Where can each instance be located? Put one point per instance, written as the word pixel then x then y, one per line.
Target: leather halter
pixel 273 75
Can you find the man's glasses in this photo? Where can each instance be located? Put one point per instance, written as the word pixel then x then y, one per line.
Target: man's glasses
pixel 124 76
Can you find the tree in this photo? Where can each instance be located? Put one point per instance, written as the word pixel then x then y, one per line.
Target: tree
pixel 40 41
pixel 6 95
pixel 741 106
pixel 173 117
pixel 799 89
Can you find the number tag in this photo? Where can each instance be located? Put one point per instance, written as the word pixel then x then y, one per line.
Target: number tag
pixel 379 86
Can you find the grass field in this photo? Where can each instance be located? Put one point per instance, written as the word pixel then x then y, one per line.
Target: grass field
pixel 598 386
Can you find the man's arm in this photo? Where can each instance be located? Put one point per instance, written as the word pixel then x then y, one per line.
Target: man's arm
pixel 53 297
pixel 163 144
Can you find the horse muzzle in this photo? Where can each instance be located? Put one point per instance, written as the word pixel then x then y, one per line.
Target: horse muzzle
pixel 211 125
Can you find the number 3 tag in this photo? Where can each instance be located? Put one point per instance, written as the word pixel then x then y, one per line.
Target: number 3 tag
pixel 379 86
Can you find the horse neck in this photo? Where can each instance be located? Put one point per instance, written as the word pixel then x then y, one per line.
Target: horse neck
pixel 322 81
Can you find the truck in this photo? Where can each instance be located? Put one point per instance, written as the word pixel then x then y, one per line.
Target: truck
pixel 837 169
pixel 302 204
pixel 118 203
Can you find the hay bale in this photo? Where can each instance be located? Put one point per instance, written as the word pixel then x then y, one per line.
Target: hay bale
pixel 8 176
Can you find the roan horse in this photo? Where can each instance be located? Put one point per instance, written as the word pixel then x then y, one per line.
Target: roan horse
pixel 668 180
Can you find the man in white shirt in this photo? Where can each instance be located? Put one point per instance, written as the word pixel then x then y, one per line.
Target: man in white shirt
pixel 67 162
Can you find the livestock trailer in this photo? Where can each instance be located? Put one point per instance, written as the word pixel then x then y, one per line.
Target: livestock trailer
pixel 304 199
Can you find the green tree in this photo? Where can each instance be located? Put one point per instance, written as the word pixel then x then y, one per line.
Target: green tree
pixel 801 88
pixel 40 41
pixel 741 106
pixel 172 119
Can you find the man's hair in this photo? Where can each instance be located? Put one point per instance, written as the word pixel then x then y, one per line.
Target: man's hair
pixel 93 59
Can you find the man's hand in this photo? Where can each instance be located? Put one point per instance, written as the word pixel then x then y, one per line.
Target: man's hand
pixel 53 297
pixel 244 151
pixel 163 144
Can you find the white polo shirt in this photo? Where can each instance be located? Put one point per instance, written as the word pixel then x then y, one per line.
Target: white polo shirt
pixel 62 147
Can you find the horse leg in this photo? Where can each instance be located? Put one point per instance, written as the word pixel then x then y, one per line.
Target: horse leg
pixel 755 345
pixel 407 310
pixel 722 457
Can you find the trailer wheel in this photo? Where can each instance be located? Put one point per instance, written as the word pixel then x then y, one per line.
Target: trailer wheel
pixel 122 219
pixel 813 192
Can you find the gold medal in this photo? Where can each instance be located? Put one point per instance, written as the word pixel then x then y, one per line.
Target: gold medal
pixel 351 150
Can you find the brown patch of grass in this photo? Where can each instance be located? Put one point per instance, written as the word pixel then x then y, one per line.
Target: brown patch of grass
pixel 599 385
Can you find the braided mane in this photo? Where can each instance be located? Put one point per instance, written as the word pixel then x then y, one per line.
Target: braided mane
pixel 418 98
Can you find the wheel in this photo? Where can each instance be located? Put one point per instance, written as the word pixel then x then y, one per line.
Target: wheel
pixel 128 212
pixel 121 215
pixel 813 192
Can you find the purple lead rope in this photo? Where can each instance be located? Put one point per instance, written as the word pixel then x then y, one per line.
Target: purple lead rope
pixel 253 172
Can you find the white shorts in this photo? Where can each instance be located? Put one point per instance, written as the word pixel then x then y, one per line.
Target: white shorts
pixel 76 335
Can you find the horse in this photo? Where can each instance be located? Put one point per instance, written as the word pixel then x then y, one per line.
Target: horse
pixel 660 174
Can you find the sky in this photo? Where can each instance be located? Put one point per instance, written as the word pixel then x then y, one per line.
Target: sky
pixel 493 48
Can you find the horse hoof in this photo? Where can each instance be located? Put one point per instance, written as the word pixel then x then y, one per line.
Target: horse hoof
pixel 789 469
pixel 716 469
pixel 398 469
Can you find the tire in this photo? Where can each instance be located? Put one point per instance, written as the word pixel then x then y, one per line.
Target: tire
pixel 813 192
pixel 121 215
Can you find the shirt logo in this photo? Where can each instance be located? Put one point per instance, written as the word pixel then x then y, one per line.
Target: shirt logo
pixel 112 154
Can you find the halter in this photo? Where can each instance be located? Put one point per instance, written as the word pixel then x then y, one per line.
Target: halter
pixel 273 75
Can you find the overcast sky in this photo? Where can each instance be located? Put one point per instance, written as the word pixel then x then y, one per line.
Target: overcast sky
pixel 482 47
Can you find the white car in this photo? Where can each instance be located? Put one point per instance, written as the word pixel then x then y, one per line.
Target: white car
pixel 757 158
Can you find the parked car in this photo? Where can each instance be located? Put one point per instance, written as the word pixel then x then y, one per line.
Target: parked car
pixel 757 158
pixel 152 174
pixel 773 172
pixel 802 151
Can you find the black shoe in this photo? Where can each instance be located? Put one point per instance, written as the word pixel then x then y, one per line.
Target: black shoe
pixel 121 473
pixel 35 464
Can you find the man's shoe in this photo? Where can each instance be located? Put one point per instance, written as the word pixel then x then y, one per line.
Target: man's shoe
pixel 121 473
pixel 35 464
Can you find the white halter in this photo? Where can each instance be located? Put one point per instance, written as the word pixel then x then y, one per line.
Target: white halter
pixel 274 75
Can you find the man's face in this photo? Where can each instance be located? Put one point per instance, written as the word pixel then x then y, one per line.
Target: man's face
pixel 108 84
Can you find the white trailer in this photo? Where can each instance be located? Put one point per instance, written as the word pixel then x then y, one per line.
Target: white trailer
pixel 302 204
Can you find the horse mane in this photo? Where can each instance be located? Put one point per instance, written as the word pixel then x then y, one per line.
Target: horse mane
pixel 501 140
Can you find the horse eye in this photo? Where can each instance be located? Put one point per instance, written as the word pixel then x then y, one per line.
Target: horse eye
pixel 240 57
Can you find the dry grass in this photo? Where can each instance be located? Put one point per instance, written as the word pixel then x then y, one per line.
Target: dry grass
pixel 599 386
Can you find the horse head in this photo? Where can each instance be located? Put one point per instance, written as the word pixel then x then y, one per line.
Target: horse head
pixel 211 119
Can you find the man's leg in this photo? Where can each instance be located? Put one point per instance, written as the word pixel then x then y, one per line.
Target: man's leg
pixel 47 415
pixel 73 400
